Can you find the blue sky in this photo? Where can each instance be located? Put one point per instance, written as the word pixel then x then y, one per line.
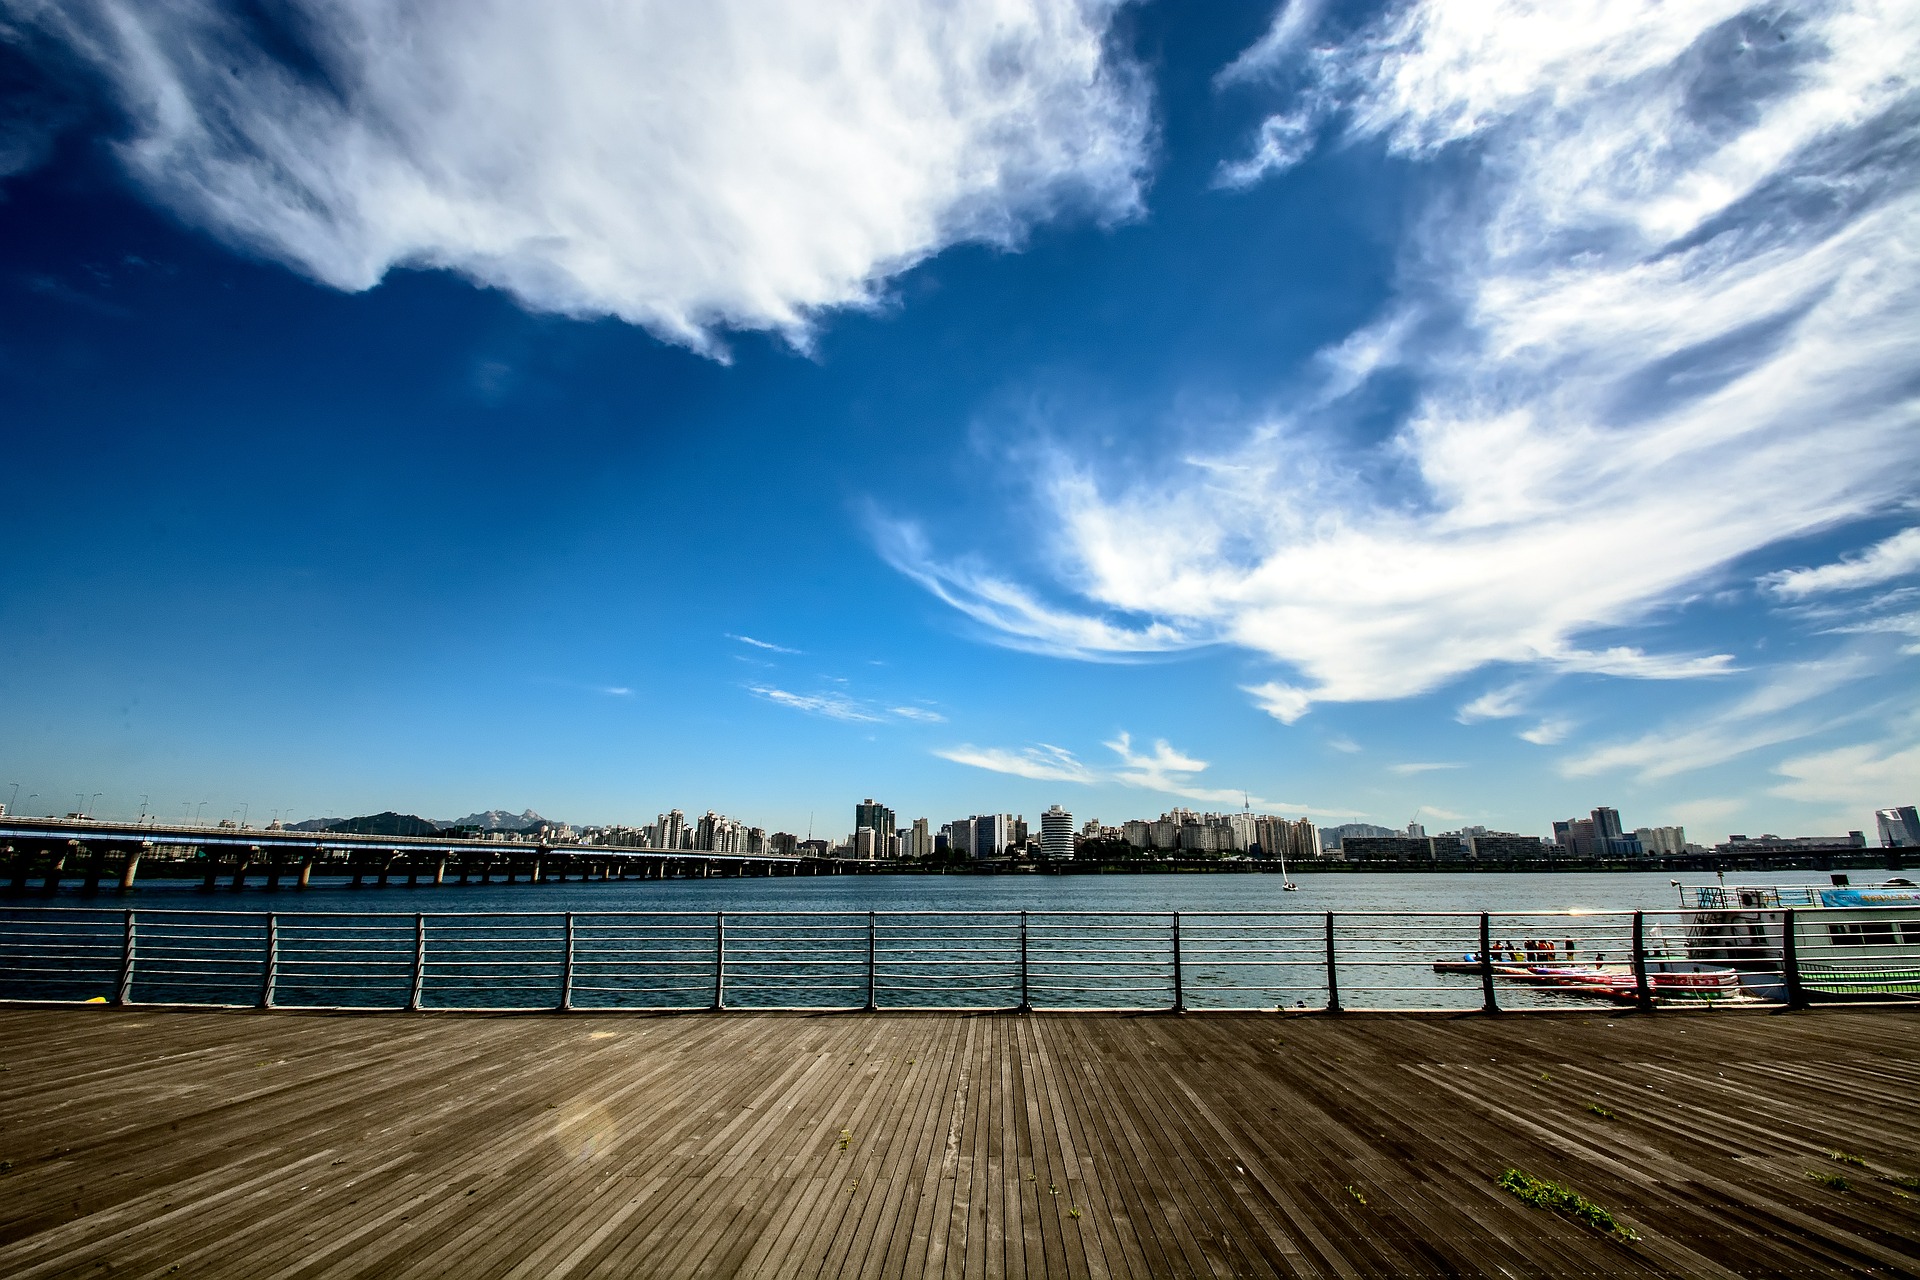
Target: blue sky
pixel 1487 411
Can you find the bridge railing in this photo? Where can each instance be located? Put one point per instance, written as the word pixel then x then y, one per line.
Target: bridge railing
pixel 1488 961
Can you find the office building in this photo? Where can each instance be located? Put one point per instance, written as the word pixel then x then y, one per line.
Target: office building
pixel 992 833
pixel 1899 828
pixel 875 816
pixel 1056 834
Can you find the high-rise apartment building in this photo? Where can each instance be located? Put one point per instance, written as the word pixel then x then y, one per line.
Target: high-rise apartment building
pixel 1056 834
pixel 1662 841
pixel 669 832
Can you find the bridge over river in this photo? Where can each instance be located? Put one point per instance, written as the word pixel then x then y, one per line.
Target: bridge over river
pixel 43 851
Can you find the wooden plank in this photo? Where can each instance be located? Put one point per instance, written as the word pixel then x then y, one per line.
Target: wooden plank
pixel 303 1145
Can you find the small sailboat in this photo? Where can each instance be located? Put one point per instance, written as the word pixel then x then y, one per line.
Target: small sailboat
pixel 1246 803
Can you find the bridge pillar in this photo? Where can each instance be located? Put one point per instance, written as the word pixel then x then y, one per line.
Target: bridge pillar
pixel 385 867
pixel 246 861
pixel 50 883
pixel 306 872
pixel 94 858
pixel 213 870
pixel 19 861
pixel 273 873
pixel 130 866
pixel 359 873
pixel 534 875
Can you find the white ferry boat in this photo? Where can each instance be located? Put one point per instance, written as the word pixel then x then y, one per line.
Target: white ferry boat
pixel 1849 941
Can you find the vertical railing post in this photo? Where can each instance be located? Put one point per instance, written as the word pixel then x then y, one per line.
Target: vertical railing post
pixel 1179 979
pixel 123 990
pixel 270 969
pixel 1790 961
pixel 418 981
pixel 870 938
pixel 1489 1004
pixel 566 969
pixel 719 959
pixel 1642 988
pixel 1026 1002
pixel 1333 971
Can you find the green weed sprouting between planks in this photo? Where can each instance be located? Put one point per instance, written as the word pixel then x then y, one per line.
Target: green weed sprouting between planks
pixel 1842 1157
pixel 1600 1111
pixel 1831 1181
pixel 1555 1198
pixel 1356 1193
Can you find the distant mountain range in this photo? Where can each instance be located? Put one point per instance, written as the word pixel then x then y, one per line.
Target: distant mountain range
pixel 500 820
pixel 407 824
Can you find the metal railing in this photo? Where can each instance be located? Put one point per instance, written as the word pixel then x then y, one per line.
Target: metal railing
pixel 1489 961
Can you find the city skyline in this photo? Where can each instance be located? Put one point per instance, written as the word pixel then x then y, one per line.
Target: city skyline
pixel 1346 410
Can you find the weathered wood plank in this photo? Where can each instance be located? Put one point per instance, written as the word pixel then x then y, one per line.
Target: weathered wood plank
pixel 308 1145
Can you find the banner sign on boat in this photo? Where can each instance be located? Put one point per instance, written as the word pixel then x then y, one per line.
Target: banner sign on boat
pixel 1891 897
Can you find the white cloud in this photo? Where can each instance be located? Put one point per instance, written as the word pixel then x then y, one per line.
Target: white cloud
pixel 1884 561
pixel 679 166
pixel 1548 732
pixel 1344 744
pixel 1281 701
pixel 1042 763
pixel 834 706
pixel 1013 616
pixel 1666 309
pixel 1407 770
pixel 1292 24
pixel 1165 769
pixel 1494 704
pixel 1855 779
pixel 761 644
pixel 1776 711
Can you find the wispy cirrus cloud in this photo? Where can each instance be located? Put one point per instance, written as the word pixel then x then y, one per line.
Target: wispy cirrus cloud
pixel 835 704
pixel 681 167
pixel 1163 768
pixel 1779 709
pixel 1407 770
pixel 1896 557
pixel 1043 763
pixel 1853 779
pixel 762 644
pixel 1663 240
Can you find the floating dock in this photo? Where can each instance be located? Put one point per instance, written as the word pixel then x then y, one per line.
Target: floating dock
pixel 161 1142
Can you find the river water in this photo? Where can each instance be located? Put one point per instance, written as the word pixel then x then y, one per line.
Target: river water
pixel 1086 941
pixel 1330 891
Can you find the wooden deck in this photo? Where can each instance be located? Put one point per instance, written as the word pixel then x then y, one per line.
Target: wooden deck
pixel 160 1143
